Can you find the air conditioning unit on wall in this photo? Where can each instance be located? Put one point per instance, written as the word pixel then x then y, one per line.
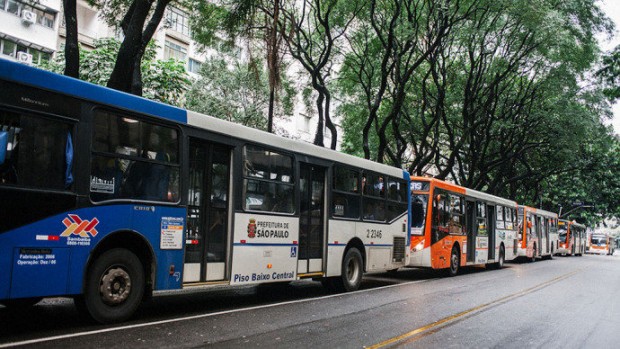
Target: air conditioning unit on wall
pixel 24 57
pixel 28 17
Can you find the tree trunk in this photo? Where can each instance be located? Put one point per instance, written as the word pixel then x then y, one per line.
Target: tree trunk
pixel 272 98
pixel 122 76
pixel 318 136
pixel 72 52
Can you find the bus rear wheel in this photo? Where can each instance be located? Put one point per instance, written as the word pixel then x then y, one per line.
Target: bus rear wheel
pixel 455 262
pixel 502 256
pixel 351 273
pixel 114 286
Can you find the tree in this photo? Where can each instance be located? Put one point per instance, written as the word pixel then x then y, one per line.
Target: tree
pixel 401 34
pixel 610 74
pixel 256 22
pixel 72 51
pixel 315 27
pixel 140 19
pixel 164 81
pixel 229 89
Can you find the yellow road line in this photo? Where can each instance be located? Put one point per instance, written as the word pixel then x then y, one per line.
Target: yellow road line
pixel 469 311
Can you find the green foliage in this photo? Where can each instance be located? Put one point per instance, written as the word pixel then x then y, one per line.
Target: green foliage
pixel 235 91
pixel 164 81
pixel 610 74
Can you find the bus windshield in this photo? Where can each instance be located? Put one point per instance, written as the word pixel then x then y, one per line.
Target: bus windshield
pixel 599 241
pixel 562 235
pixel 419 203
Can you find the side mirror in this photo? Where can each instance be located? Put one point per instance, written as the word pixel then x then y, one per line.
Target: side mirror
pixel 4 140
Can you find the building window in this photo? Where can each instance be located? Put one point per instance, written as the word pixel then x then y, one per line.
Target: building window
pixel 172 50
pixel 12 6
pixel 178 21
pixel 10 48
pixel 45 18
pixel 194 66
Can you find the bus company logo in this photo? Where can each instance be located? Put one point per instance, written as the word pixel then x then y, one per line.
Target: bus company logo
pixel 252 228
pixel 78 226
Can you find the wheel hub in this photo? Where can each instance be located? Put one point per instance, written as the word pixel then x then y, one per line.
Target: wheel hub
pixel 352 270
pixel 115 286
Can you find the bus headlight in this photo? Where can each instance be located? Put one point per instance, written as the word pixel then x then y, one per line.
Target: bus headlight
pixel 419 246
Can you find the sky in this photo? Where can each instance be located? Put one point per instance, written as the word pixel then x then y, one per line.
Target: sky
pixel 612 9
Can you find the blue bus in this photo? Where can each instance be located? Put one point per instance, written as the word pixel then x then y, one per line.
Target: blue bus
pixel 107 197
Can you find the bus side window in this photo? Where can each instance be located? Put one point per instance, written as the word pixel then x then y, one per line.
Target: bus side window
pixel 133 159
pixel 500 217
pixel 35 151
pixel 456 215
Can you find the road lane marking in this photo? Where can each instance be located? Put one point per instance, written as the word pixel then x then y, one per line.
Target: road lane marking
pixel 201 316
pixel 425 328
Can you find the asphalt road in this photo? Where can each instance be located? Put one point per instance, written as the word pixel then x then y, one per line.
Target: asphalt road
pixel 568 302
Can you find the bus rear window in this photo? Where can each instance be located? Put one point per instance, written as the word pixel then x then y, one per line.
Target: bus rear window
pixel 419 204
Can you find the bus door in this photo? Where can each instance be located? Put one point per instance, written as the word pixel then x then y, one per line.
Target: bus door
pixel 532 234
pixel 491 230
pixel 311 219
pixel 547 228
pixel 472 228
pixel 541 235
pixel 207 232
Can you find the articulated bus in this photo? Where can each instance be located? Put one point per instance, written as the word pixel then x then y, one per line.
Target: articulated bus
pixel 453 226
pixel 106 197
pixel 602 244
pixel 538 234
pixel 572 238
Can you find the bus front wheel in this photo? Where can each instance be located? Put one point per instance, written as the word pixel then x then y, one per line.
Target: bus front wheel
pixel 114 286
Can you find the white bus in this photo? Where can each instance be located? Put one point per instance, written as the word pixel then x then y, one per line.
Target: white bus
pixel 573 238
pixel 538 233
pixel 601 244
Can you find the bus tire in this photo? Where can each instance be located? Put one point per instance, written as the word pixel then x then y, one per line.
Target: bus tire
pixel 502 257
pixel 352 271
pixel 455 262
pixel 114 286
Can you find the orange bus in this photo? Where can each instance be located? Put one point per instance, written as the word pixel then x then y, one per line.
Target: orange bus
pixel 538 234
pixel 453 226
pixel 572 238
